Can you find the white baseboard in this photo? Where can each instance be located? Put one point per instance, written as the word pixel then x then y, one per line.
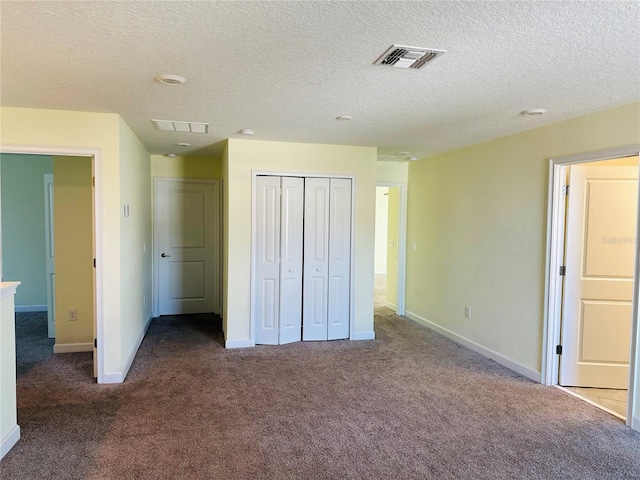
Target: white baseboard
pixel 9 440
pixel 238 343
pixel 363 336
pixel 72 347
pixel 635 423
pixel 31 308
pixel 134 350
pixel 112 378
pixel 476 347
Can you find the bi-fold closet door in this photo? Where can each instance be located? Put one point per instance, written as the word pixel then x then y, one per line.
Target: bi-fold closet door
pixel 303 259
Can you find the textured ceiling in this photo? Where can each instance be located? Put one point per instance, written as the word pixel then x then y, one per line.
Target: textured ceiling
pixel 287 69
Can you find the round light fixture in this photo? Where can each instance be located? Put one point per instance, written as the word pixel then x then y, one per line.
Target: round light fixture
pixel 402 154
pixel 344 117
pixel 170 155
pixel 413 159
pixel 183 144
pixel 532 112
pixel 166 79
pixel 247 131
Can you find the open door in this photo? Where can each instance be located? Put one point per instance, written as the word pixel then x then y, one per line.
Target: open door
pixel 50 255
pixel 598 288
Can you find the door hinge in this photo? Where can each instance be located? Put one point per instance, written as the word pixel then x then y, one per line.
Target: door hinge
pixel 94 263
pixel 93 181
pixel 565 190
pixel 558 349
pixel 95 343
pixel 563 271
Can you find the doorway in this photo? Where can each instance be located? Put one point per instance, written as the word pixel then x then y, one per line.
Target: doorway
pixel 90 309
pixel 592 282
pixel 390 249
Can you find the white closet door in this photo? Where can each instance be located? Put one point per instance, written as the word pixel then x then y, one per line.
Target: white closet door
pixel 267 263
pixel 339 258
pixel 316 258
pixel 291 218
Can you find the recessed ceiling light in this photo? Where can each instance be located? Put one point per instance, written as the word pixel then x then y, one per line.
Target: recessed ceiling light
pixel 183 144
pixel 532 112
pixel 413 159
pixel 246 131
pixel 166 79
pixel 403 154
pixel 344 117
pixel 170 155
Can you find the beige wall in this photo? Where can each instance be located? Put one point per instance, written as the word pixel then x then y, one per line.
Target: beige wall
pixel 245 156
pixel 135 235
pixel 478 217
pixel 393 172
pixel 186 167
pixel 382 227
pixel 224 174
pixel 53 131
pixel 73 230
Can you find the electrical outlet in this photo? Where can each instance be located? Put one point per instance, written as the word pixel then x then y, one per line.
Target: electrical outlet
pixel 414 247
pixel 73 315
pixel 467 312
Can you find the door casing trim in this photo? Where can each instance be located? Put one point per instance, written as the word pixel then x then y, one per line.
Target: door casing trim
pixel 554 259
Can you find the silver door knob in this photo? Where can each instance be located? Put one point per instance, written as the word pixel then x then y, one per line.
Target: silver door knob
pixel 164 255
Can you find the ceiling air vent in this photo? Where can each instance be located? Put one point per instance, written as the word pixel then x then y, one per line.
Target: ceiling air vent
pixel 408 57
pixel 184 127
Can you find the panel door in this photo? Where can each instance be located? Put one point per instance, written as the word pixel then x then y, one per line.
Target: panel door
pixel 338 307
pixel 316 259
pixel 186 236
pixel 266 308
pixel 291 246
pixel 601 230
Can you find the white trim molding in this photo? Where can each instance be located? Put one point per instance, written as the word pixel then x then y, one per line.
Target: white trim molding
pixel 72 347
pixel 476 347
pixel 9 440
pixel 363 336
pixel 238 343
pixel 8 289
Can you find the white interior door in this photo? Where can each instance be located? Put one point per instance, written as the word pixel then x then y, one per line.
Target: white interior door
pixel 266 307
pixel 316 259
pixel 338 307
pixel 597 308
pixel 291 247
pixel 50 255
pixel 187 244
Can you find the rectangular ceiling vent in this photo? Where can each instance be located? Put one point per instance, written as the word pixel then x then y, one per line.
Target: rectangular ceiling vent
pixel 184 127
pixel 408 57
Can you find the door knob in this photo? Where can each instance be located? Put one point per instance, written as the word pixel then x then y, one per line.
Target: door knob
pixel 164 255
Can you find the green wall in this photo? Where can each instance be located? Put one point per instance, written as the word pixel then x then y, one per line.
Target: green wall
pixel 23 229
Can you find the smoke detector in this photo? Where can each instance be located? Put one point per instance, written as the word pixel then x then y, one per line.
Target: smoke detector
pixel 402 56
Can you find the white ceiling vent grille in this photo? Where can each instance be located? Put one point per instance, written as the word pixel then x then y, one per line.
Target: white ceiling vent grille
pixel 183 127
pixel 408 57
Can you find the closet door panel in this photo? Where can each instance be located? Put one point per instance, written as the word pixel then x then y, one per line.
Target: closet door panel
pixel 316 258
pixel 339 258
pixel 265 311
pixel 291 245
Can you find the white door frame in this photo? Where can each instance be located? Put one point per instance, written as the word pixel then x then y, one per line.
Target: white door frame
pixel 96 157
pixel 156 248
pixel 254 185
pixel 402 244
pixel 555 258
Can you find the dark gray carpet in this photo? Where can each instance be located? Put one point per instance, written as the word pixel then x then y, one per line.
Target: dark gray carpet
pixel 409 405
